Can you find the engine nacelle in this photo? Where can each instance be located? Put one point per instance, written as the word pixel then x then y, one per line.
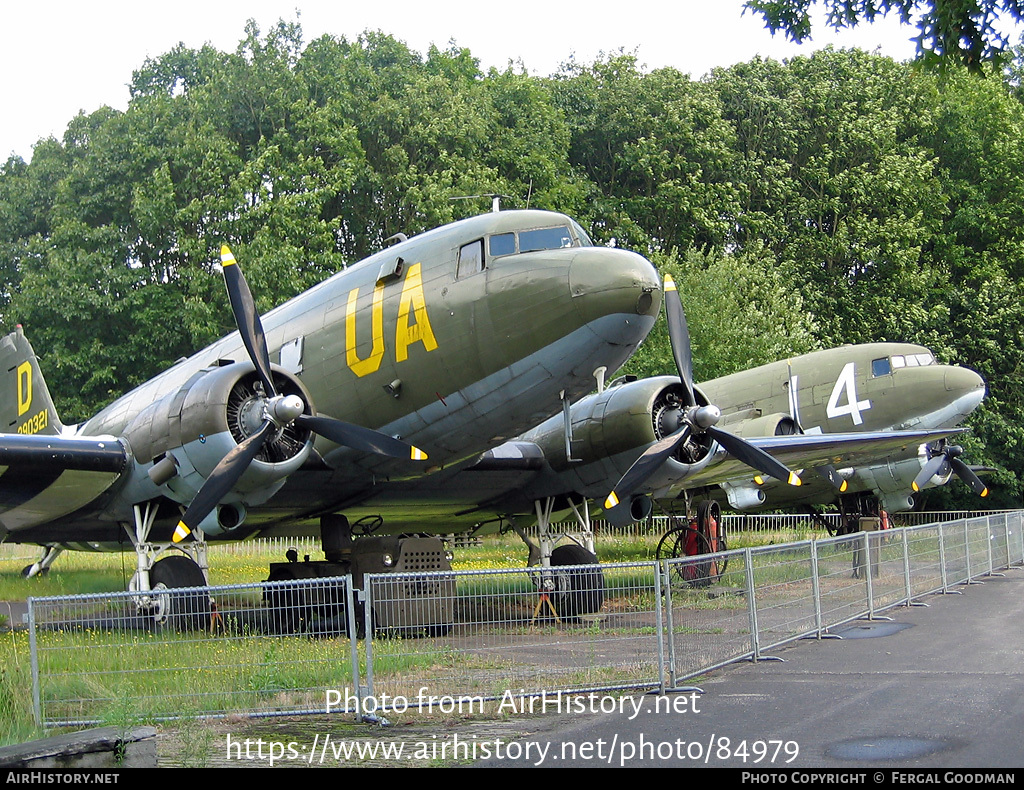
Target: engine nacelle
pixel 619 421
pixel 182 437
pixel 778 424
pixel 892 481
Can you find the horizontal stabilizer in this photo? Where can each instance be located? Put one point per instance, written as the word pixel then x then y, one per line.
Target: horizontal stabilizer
pixel 60 453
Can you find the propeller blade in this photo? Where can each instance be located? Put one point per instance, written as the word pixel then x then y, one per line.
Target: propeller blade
pixel 679 337
pixel 359 438
pixel 246 318
pixel 753 456
pixel 221 480
pixel 644 466
pixel 937 465
pixel 829 473
pixel 965 473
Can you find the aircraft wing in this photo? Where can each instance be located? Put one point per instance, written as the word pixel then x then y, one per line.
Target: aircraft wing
pixel 44 477
pixel 805 451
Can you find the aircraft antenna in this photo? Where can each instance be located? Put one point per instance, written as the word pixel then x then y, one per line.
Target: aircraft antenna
pixel 494 196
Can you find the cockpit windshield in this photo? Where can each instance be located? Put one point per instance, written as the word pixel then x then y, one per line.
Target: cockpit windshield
pixel 886 365
pixel 556 238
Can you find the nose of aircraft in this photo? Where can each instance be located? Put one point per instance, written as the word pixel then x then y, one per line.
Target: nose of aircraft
pixel 611 288
pixel 966 387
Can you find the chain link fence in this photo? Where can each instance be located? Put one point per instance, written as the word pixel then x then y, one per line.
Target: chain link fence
pixel 444 640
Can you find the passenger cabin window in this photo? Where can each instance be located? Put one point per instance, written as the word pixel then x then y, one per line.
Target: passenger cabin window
pixel 881 367
pixel 471 258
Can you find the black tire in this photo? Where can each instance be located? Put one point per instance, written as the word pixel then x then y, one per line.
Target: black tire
pixel 579 592
pixel 170 579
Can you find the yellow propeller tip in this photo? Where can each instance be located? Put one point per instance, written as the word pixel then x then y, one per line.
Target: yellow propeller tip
pixel 417 454
pixel 794 480
pixel 759 480
pixel 226 257
pixel 670 284
pixel 611 501
pixel 180 532
pixel 984 493
pixel 843 487
pixel 914 486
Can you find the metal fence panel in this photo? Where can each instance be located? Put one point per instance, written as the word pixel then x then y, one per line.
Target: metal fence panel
pixel 841 579
pixel 707 613
pixel 978 546
pixel 954 552
pixel 887 579
pixel 264 649
pixel 782 577
pixel 924 558
pixel 521 631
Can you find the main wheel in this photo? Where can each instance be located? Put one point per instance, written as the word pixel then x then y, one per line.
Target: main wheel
pixel 179 607
pixel 579 591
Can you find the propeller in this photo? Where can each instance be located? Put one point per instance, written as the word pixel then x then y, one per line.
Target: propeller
pixel 278 412
pixel 944 458
pixel 694 419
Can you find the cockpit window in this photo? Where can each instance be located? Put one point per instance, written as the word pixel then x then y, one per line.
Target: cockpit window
pixel 504 244
pixel 539 239
pixel 582 235
pixel 545 239
pixel 880 367
pixel 911 360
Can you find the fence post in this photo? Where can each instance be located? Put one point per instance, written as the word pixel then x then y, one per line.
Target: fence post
pixel 367 598
pixel 967 549
pixel 751 602
pixel 816 589
pixel 906 567
pixel 37 707
pixel 942 560
pixel 660 620
pixel 867 576
pixel 353 641
pixel 988 543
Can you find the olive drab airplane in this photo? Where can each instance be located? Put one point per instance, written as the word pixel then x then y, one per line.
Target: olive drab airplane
pixel 477 342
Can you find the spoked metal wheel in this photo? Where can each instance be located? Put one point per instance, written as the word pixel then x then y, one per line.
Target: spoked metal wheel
pixel 703 536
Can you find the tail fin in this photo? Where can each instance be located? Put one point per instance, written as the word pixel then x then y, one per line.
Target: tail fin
pixel 25 403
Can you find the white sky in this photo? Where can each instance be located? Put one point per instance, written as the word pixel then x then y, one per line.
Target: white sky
pixel 60 57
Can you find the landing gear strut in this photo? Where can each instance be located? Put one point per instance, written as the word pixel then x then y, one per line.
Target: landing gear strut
pixel 42 567
pixel 572 591
pixel 154 578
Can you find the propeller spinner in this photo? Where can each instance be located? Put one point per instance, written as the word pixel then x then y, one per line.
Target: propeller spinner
pixel 278 412
pixel 694 419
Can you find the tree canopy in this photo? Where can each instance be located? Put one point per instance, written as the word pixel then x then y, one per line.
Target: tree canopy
pixel 969 33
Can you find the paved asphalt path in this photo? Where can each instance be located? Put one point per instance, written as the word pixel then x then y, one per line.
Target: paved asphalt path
pixel 938 687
